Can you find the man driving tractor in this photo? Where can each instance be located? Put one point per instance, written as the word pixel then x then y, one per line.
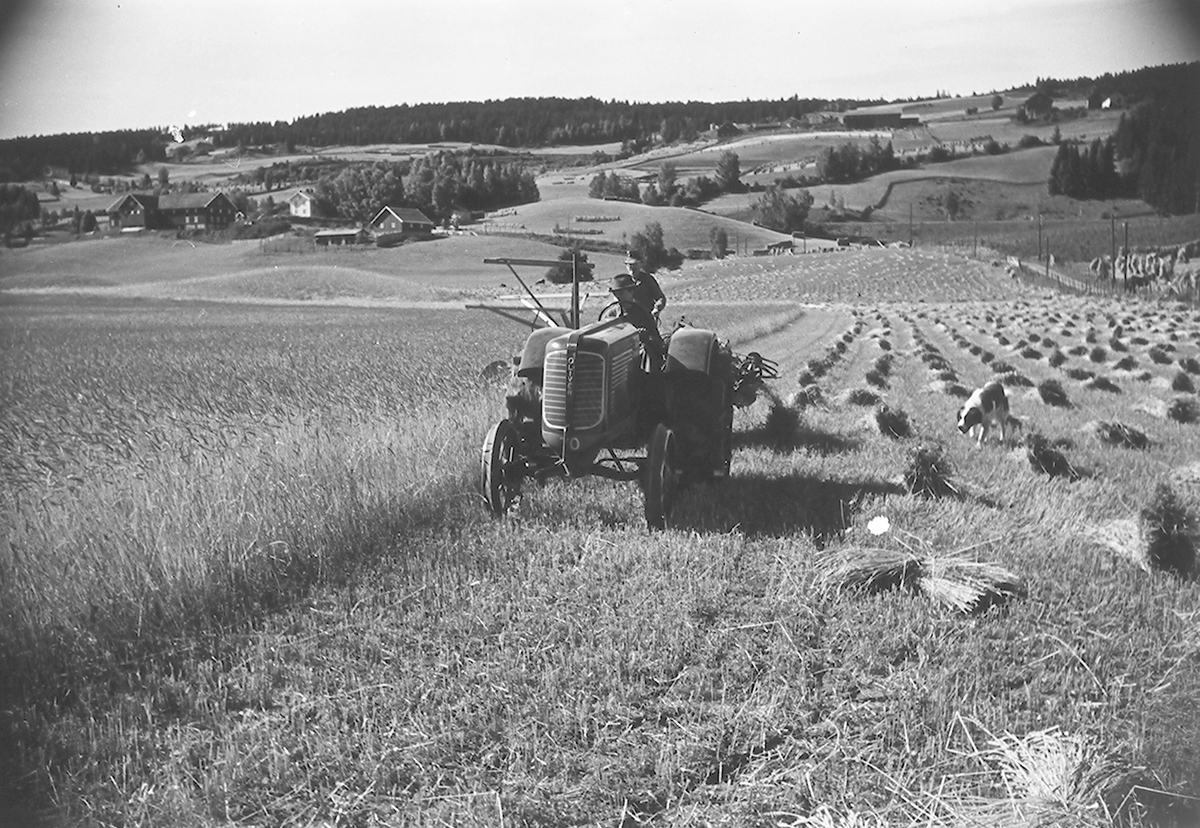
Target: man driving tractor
pixel 641 301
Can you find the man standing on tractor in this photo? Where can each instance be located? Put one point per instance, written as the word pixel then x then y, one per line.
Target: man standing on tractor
pixel 641 300
pixel 648 293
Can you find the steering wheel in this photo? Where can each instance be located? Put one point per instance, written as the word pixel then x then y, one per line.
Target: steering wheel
pixel 610 311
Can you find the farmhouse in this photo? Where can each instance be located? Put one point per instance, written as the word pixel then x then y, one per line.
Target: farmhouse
pixel 393 224
pixel 198 211
pixel 1038 105
pixel 302 204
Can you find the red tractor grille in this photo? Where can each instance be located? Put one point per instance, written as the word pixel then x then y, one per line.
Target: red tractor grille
pixel 587 402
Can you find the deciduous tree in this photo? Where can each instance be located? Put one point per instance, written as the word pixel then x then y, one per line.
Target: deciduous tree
pixel 718 242
pixel 779 210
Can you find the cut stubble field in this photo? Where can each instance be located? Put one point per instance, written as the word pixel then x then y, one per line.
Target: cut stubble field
pixel 254 582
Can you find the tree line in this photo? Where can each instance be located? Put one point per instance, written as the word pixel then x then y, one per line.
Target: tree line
pixel 1157 149
pixel 1086 171
pixel 849 162
pixel 1154 154
pixel 525 121
pixel 17 205
pixel 514 122
pixel 27 158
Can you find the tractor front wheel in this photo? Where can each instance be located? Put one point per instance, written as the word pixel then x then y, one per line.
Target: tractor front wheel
pixel 502 469
pixel 661 477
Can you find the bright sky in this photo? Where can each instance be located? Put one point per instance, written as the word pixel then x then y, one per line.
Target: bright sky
pixel 95 65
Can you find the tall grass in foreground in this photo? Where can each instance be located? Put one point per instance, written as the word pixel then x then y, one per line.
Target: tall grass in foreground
pixel 124 565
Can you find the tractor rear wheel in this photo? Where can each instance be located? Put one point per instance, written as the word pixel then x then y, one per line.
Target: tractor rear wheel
pixel 501 468
pixel 661 477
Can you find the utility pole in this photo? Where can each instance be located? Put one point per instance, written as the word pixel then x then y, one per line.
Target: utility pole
pixel 1047 256
pixel 1039 234
pixel 975 240
pixel 575 289
pixel 1125 258
pixel 910 235
pixel 1112 261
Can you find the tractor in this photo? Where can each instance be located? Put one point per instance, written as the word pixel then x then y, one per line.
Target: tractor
pixel 586 399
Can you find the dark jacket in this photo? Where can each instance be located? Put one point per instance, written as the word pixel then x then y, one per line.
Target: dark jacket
pixel 648 293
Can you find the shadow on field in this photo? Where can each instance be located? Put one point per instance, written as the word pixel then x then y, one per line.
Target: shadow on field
pixel 776 506
pixel 802 436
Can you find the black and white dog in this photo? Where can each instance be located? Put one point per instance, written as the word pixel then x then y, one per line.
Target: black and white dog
pixel 986 409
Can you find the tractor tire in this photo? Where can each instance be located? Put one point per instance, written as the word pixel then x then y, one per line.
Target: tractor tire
pixel 661 477
pixel 501 467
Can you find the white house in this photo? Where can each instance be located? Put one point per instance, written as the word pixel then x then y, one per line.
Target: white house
pixel 301 204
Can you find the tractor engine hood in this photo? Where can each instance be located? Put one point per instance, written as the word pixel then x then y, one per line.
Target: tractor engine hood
pixel 588 395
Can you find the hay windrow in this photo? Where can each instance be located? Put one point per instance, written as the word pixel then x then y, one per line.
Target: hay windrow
pixel 1161 537
pixel 892 422
pixel 1055 778
pixel 804 397
pixel 1168 529
pixel 859 396
pixel 929 473
pixel 1046 459
pixel 952 580
pixel 1103 384
pixel 1052 393
pixel 1183 409
pixel 1116 433
pixel 782 425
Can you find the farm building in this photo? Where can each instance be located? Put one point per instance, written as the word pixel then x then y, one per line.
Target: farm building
pixel 133 210
pixel 302 205
pixel 880 118
pixel 199 211
pixel 336 238
pixel 393 224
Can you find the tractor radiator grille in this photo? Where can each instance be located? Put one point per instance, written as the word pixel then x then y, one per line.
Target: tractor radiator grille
pixel 587 404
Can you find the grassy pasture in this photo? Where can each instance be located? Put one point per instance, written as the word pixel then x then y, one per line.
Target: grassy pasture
pixel 1097 124
pixel 682 228
pixel 270 595
pixel 443 270
pixel 883 191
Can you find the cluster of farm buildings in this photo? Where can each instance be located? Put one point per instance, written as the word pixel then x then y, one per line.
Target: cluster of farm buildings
pixel 214 211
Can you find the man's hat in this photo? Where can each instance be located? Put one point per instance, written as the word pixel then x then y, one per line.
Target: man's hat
pixel 621 281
